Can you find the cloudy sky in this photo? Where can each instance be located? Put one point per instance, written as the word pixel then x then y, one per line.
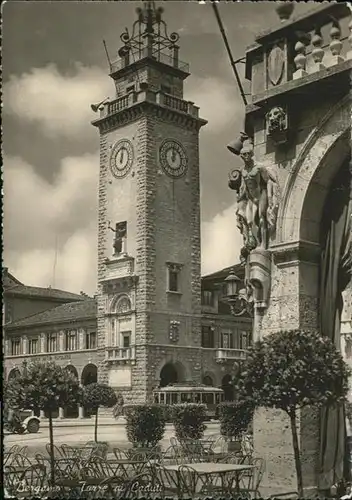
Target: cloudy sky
pixel 54 67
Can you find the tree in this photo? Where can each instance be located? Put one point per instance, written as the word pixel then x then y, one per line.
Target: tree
pixel 293 369
pixel 45 386
pixel 96 395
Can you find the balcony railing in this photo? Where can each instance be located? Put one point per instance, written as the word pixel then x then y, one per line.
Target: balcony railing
pixel 161 98
pixel 230 354
pixel 120 353
pixel 118 104
pixel 160 56
pixel 319 40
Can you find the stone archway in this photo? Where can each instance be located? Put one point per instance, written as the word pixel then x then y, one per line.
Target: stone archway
pixel 71 411
pixel 295 270
pixel 172 373
pixel 227 387
pixel 89 376
pixel 15 372
pixel 208 380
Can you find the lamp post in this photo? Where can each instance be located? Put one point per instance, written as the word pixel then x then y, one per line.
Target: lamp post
pixel 241 301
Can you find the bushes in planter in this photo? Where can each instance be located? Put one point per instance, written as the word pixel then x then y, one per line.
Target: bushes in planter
pixel 189 420
pixel 235 418
pixel 145 424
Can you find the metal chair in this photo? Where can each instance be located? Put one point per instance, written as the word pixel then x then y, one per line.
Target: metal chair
pixel 33 479
pixel 168 480
pixel 147 485
pixel 250 483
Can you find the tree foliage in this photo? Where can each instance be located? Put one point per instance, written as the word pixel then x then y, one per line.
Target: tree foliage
pixel 293 369
pixel 42 385
pixel 235 417
pixel 96 395
pixel 189 420
pixel 45 386
pixel 145 424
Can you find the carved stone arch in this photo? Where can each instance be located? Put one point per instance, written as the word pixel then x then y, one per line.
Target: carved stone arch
pixel 121 304
pixel 308 184
pixel 180 368
pixel 207 377
pixel 14 372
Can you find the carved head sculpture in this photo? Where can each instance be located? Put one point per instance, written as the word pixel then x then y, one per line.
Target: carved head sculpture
pixel 276 119
pixel 247 152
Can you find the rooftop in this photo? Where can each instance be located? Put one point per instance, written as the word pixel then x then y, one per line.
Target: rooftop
pixel 13 286
pixel 223 273
pixel 85 309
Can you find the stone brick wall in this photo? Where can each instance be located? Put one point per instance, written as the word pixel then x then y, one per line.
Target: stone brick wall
pixel 318 144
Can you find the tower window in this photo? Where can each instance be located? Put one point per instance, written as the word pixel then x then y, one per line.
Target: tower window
pixel 71 340
pixel 91 340
pixel 51 342
pixel 129 89
pixel 173 277
pixel 207 336
pixel 15 347
pixel 32 346
pixel 126 339
pixel 207 298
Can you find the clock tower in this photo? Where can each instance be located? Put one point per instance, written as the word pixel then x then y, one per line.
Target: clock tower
pixel 149 311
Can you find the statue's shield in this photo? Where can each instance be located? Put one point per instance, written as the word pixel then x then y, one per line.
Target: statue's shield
pixel 276 63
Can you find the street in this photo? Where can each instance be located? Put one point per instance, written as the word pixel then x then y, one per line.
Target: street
pixel 114 434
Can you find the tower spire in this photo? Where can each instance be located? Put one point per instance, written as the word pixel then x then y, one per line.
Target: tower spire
pixel 149 37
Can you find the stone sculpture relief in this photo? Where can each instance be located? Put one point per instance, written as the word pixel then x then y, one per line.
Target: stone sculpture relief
pixel 277 125
pixel 257 190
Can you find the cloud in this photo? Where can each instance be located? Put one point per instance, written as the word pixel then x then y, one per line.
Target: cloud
pixel 59 104
pixel 218 101
pixel 40 216
pixel 221 242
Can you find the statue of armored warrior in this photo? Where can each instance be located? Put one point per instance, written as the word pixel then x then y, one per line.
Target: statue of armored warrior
pixel 120 231
pixel 257 199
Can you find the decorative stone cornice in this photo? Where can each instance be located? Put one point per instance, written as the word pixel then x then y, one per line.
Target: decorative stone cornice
pixel 286 254
pixel 116 285
pixel 139 109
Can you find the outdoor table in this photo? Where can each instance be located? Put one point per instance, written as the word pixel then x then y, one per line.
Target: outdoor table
pixel 214 468
pixel 123 463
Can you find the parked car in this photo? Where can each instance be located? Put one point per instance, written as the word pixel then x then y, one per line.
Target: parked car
pixel 21 421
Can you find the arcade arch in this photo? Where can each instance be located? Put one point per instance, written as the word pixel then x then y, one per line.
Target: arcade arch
pixel 15 372
pixel 227 387
pixel 172 373
pixel 71 411
pixel 89 376
pixel 208 380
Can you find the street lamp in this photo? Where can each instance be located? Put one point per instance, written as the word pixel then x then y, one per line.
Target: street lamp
pixel 240 300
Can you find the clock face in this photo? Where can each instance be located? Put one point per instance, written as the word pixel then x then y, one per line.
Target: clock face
pixel 173 158
pixel 121 158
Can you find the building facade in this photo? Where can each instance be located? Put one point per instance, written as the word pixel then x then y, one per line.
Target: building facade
pixel 67 334
pixel 154 320
pixel 298 136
